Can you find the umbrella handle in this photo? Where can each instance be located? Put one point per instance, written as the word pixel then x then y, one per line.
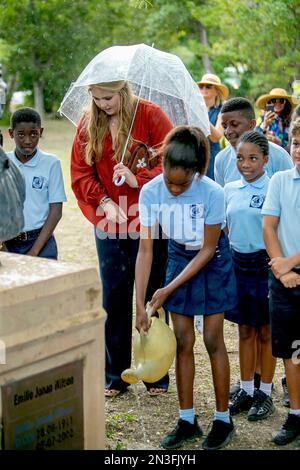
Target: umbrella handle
pixel 119 181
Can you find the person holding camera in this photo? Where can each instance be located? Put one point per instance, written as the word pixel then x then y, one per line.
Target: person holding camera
pixel 274 123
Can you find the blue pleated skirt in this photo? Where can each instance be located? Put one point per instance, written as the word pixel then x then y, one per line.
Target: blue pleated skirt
pixel 252 271
pixel 212 290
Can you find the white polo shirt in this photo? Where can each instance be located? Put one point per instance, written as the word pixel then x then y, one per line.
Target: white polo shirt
pixel 244 202
pixel 44 185
pixel 226 170
pixel 183 217
pixel 283 201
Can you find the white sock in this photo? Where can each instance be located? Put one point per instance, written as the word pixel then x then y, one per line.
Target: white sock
pixel 266 388
pixel 222 416
pixel 248 386
pixel 294 412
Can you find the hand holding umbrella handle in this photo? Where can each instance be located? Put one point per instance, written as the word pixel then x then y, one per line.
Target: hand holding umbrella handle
pixel 120 180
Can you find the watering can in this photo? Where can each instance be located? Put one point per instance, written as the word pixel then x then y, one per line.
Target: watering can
pixel 153 352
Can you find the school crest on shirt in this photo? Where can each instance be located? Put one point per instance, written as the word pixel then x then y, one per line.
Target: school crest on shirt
pixel 196 211
pixel 257 201
pixel 38 182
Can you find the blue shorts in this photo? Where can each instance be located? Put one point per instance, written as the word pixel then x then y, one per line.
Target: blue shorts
pixel 212 290
pixel 285 319
pixel 251 271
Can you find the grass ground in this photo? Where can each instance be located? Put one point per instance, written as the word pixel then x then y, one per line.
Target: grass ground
pixel 134 420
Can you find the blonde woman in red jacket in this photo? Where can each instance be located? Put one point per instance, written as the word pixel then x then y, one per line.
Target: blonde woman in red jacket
pixel 96 164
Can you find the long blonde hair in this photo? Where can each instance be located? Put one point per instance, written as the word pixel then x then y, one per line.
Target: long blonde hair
pixel 96 123
pixel 219 98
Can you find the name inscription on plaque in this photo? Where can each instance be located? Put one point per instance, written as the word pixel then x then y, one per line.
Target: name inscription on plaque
pixel 45 411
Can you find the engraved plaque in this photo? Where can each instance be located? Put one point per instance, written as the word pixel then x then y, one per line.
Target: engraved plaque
pixel 45 411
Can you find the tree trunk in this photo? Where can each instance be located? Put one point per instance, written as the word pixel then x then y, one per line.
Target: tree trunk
pixel 203 39
pixel 39 98
pixel 11 88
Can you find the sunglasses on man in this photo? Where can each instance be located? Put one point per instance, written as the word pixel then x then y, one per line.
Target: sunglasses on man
pixel 277 100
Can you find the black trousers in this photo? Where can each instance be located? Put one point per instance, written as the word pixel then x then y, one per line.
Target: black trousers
pixel 117 259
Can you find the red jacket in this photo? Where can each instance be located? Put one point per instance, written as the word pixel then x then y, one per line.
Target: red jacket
pixel 91 183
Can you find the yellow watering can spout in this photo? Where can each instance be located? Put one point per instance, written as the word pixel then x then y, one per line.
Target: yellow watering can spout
pixel 153 352
pixel 130 376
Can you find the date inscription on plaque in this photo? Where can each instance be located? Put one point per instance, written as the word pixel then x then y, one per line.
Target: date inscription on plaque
pixel 45 411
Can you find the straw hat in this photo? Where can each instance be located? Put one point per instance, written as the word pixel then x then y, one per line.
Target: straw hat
pixel 212 79
pixel 276 93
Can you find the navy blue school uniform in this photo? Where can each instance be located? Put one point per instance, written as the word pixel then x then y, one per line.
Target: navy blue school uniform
pixel 182 218
pixel 244 202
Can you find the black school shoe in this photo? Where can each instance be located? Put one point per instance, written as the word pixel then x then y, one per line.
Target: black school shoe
pixel 183 432
pixel 288 431
pixel 240 402
pixel 262 406
pixel 219 436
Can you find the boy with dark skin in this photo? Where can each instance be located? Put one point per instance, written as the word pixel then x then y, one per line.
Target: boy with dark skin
pixel 44 187
pixel 237 117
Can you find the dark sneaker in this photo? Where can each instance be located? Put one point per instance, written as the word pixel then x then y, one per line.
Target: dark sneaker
pixel 262 406
pixel 289 431
pixel 241 401
pixel 219 436
pixel 285 399
pixel 183 432
pixel 234 389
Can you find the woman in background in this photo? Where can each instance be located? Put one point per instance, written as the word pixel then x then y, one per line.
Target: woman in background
pixel 214 93
pixel 275 121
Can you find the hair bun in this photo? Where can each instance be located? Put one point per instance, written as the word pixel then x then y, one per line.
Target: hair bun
pixel 185 135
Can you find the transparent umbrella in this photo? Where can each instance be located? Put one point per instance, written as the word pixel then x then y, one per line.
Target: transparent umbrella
pixel 153 74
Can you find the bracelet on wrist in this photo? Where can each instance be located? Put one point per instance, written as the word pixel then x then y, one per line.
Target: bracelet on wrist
pixel 104 201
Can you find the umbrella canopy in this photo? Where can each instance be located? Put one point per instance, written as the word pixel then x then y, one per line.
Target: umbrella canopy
pixel 153 74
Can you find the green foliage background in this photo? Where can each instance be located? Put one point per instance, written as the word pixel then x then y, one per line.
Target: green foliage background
pixel 48 42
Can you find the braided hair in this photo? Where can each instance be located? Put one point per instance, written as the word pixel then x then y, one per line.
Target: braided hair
pixel 256 138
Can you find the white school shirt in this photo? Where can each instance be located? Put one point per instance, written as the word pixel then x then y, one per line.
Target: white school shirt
pixel 182 217
pixel 244 202
pixel 283 201
pixel 226 169
pixel 44 185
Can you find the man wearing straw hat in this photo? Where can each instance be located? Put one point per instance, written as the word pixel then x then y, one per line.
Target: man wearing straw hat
pixel 214 93
pixel 278 106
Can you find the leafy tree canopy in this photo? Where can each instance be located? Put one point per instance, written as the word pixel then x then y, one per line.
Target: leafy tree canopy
pixel 48 42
